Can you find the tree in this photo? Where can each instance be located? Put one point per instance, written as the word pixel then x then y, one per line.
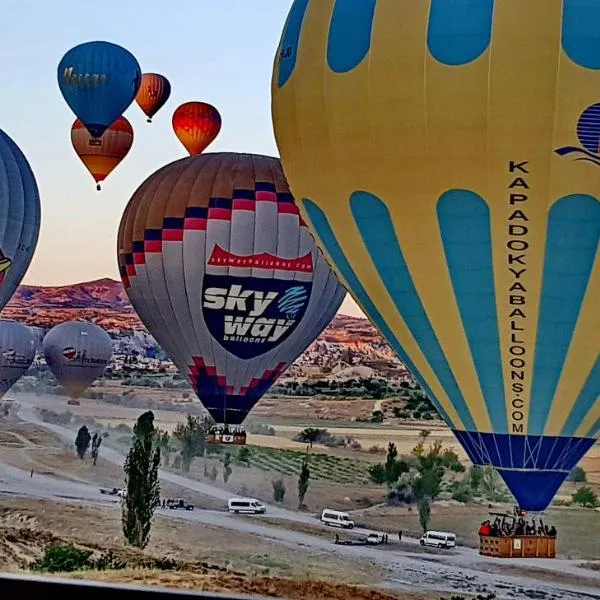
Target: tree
pixel 141 482
pixel 278 490
pixel 586 497
pixel 475 478
pixel 310 435
pixel 226 467
pixel 213 473
pixel 577 475
pixel 303 480
pixel 243 455
pixel 424 513
pixel 378 474
pixel 191 438
pixel 163 442
pixel 96 441
pixel 82 441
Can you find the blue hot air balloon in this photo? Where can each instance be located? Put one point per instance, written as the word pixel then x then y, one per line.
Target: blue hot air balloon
pixel 99 81
pixel 19 217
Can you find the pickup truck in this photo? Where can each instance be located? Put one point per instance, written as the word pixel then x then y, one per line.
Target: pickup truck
pixel 179 503
pixel 114 492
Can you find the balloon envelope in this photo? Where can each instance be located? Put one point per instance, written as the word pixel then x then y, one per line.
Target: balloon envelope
pixel 218 264
pixel 459 204
pixel 196 125
pixel 99 81
pixel 101 155
pixel 19 217
pixel 153 93
pixel 17 351
pixel 77 352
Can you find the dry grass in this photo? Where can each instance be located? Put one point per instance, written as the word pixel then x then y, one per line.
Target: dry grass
pixel 211 557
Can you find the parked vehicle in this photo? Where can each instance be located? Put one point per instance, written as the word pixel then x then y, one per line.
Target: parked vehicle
pixel 246 505
pixel 336 518
pixel 179 503
pixel 438 539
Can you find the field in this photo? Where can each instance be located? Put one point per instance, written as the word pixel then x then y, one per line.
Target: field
pixel 204 558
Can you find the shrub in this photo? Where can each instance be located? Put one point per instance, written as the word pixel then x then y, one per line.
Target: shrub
pixel 577 475
pixel 278 490
pixel 586 497
pixel 62 559
pixel 463 493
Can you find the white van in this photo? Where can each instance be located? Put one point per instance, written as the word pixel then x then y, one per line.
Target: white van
pixel 438 539
pixel 246 505
pixel 337 518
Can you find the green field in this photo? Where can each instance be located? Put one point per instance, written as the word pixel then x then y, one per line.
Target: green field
pixel 322 466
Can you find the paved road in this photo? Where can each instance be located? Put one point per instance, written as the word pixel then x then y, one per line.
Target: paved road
pixel 463 570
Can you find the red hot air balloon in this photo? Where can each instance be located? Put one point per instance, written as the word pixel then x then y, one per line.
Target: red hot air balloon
pixel 196 125
pixel 101 155
pixel 153 93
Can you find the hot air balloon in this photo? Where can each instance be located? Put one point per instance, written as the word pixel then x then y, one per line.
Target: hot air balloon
pixel 77 352
pixel 153 93
pixel 19 217
pixel 99 81
pixel 458 202
pixel 101 155
pixel 196 125
pixel 223 272
pixel 17 351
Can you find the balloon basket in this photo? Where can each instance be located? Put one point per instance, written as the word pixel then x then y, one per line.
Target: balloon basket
pixel 523 546
pixel 73 402
pixel 237 438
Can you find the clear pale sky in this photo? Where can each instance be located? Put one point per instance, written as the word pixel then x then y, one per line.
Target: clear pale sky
pixel 218 51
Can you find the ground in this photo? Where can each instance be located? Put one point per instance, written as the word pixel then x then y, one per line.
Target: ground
pixel 207 558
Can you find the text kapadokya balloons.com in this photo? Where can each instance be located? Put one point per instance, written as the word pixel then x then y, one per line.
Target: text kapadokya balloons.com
pixel 196 125
pixel 77 352
pixel 99 81
pixel 450 170
pixel 19 217
pixel 223 272
pixel 17 351
pixel 101 155
pixel 153 94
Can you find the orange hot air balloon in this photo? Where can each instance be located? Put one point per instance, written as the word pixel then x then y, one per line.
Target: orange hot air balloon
pixel 101 155
pixel 196 125
pixel 153 93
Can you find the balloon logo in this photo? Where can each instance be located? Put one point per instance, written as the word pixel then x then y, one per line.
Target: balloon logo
pixel 99 81
pixel 588 134
pixel 20 207
pixel 102 155
pixel 426 166
pixel 223 272
pixel 153 94
pixel 196 125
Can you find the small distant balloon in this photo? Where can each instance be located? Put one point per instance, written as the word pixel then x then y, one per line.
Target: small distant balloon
pixel 99 81
pixel 17 351
pixel 102 155
pixel 153 94
pixel 196 125
pixel 77 352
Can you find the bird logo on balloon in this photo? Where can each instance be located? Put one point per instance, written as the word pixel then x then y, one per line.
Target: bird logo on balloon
pixel 588 133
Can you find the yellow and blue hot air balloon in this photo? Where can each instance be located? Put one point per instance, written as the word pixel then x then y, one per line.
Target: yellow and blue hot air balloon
pixel 446 154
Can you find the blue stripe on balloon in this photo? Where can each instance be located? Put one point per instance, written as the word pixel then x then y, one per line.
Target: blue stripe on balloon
pixel 571 247
pixel 350 34
pixel 580 32
pixel 459 32
pixel 375 225
pixel 464 220
pixel 324 232
pixel 595 430
pixel 533 467
pixel 585 401
pixel 290 40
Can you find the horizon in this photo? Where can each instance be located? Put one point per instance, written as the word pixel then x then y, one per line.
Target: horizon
pixel 196 53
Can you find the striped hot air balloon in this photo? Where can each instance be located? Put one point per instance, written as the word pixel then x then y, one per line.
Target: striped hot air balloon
pixel 102 155
pixel 222 270
pixel 446 154
pixel 17 351
pixel 196 125
pixel 153 94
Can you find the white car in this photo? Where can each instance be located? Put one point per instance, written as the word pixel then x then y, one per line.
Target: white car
pixel 250 506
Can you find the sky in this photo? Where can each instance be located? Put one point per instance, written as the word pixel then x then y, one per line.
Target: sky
pixel 217 51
